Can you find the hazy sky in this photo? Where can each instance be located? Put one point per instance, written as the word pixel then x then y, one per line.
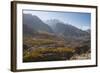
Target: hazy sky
pixel 80 20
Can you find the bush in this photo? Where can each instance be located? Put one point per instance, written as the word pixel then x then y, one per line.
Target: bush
pixel 46 54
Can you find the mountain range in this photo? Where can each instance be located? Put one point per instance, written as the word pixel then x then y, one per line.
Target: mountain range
pixel 33 24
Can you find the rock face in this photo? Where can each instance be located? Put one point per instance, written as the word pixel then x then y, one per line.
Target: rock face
pixel 81 57
pixel 35 23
